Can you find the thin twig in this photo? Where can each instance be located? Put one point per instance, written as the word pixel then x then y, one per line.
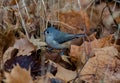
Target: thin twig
pixel 48 70
pixel 117 34
pixel 113 9
pixel 79 3
pixel 45 10
pixel 111 14
pixel 25 8
pixel 91 2
pixel 23 23
pixel 44 16
pixel 92 11
pixel 101 15
pixel 64 24
pixel 35 2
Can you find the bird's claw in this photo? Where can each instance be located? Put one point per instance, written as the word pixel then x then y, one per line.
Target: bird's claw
pixel 50 49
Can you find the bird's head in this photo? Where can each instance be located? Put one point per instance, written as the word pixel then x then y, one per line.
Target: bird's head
pixel 49 31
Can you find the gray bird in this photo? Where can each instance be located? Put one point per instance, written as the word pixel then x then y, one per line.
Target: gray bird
pixel 54 37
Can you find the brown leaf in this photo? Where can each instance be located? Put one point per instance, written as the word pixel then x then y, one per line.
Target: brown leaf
pixel 13 2
pixel 76 20
pixel 79 54
pixel 9 53
pixel 25 46
pixel 65 74
pixel 103 19
pixel 6 40
pixel 85 3
pixel 86 47
pixel 9 39
pixel 103 67
pixel 18 75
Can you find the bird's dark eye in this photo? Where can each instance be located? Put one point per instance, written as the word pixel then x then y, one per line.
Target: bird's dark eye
pixel 47 32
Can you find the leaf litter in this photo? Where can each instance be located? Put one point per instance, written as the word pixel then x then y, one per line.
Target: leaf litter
pixel 24 55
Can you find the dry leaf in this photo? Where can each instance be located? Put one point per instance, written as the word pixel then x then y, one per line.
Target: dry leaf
pixel 103 67
pixel 65 74
pixel 76 20
pixel 9 39
pixel 79 54
pixel 9 53
pixel 81 51
pixel 6 40
pixel 18 75
pixel 38 43
pixel 65 58
pixel 13 2
pixel 25 46
pixel 103 19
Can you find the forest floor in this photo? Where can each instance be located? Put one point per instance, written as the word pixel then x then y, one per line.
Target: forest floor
pixel 24 54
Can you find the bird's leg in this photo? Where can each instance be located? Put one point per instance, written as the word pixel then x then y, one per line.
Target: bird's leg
pixel 50 49
pixel 63 52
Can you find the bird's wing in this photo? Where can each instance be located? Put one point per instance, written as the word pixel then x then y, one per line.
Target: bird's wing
pixel 63 37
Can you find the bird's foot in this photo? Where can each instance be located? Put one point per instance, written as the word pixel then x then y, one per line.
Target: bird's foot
pixel 49 49
pixel 65 58
pixel 61 53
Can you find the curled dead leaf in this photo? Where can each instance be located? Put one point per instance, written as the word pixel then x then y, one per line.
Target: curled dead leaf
pixel 86 48
pixel 104 66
